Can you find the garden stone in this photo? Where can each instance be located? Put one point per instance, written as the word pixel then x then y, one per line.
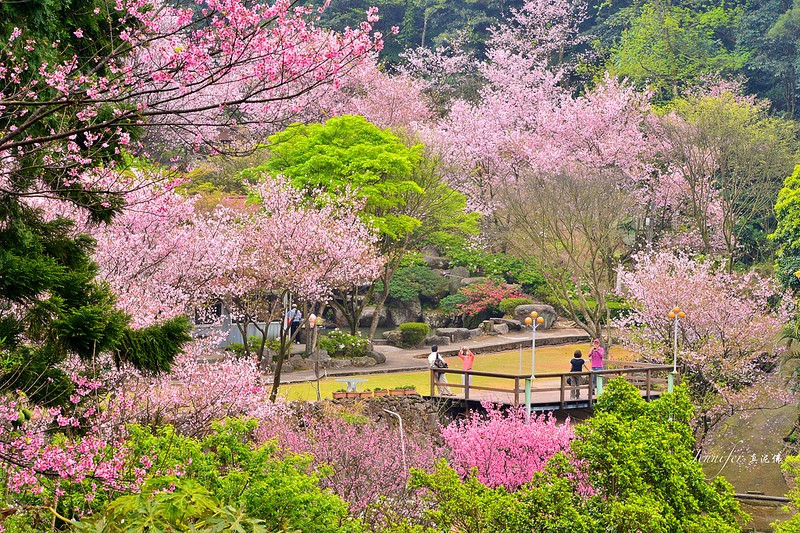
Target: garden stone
pixel 437 340
pixel 435 318
pixel 321 356
pixel 498 329
pixel 401 312
pixel 366 317
pixel 377 356
pixel 364 361
pixel 298 363
pixel 338 363
pixel 431 250
pixel 454 334
pixel 287 367
pixel 521 312
pixel 393 338
pixel 471 281
pixel 436 262
pixel 475 333
pixel 456 275
pixel 513 325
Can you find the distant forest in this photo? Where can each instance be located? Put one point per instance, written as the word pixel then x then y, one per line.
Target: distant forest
pixel 660 43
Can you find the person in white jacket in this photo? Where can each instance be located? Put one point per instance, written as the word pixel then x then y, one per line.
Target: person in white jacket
pixel 435 361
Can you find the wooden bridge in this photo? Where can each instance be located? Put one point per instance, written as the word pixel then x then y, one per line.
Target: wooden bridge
pixel 550 391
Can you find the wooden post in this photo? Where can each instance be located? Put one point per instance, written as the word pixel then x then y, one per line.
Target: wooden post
pixel 647 384
pixel 433 381
pixel 563 384
pixel 516 390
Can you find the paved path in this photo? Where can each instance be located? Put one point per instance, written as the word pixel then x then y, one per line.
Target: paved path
pixel 402 360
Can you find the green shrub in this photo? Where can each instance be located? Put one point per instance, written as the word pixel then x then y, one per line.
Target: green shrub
pixel 508 305
pixel 449 304
pixel 340 344
pixel 417 281
pixel 512 269
pixel 413 333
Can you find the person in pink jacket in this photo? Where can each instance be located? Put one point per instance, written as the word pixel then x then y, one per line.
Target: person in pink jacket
pixel 468 358
pixel 596 355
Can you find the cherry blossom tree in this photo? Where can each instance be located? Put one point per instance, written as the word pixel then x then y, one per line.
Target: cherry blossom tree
pixel 729 337
pixel 300 249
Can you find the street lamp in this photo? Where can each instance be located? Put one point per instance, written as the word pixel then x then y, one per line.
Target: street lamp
pixel 533 321
pixel 676 314
pixel 402 438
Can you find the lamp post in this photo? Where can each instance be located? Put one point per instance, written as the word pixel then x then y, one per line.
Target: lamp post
pixel 533 321
pixel 312 339
pixel 676 314
pixel 402 438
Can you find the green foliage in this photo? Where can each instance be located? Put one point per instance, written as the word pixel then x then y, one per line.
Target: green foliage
pixel 787 233
pixel 510 268
pixel 791 466
pixel 170 504
pixel 450 304
pixel 417 281
pixel 254 482
pixel 633 458
pixel 413 333
pixel 639 456
pixel 349 152
pixel 508 305
pixel 670 46
pixel 340 344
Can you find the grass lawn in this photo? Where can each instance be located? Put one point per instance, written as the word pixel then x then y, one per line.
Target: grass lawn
pixel 548 359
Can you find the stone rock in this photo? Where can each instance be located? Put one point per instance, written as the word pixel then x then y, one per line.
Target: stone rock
pixel 475 333
pixel 435 318
pixel 431 250
pixel 393 338
pixel 438 340
pixel 366 317
pixel 454 334
pixel 455 276
pixel 513 325
pixel 521 312
pixel 470 281
pixel 436 262
pixel 498 329
pixel 364 361
pixel 298 363
pixel 338 363
pixel 402 312
pixel 377 356
pixel 338 319
pixel 321 355
pixel 287 367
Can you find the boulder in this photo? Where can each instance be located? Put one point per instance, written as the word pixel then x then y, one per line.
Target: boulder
pixel 321 355
pixel 436 318
pixel 286 367
pixel 298 363
pixel 436 262
pixel 401 312
pixel 513 325
pixel 393 338
pixel 470 281
pixel 366 317
pixel 456 275
pixel 377 356
pixel 454 334
pixel 498 329
pixel 430 249
pixel 521 312
pixel 338 363
pixel 437 340
pixel 475 333
pixel 364 361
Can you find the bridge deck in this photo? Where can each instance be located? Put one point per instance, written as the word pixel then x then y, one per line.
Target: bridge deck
pixel 551 391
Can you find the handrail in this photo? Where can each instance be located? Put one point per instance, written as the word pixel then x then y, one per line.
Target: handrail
pixel 547 379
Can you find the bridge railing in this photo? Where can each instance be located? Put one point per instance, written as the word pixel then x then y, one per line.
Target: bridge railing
pixel 552 387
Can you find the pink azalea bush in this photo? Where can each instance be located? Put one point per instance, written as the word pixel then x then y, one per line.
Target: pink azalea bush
pixel 486 296
pixel 503 448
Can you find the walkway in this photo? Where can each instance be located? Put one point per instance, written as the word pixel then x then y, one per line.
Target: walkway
pixel 402 360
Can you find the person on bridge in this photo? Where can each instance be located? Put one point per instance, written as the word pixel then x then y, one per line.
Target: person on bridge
pixel 436 361
pixel 577 365
pixel 596 355
pixel 467 358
